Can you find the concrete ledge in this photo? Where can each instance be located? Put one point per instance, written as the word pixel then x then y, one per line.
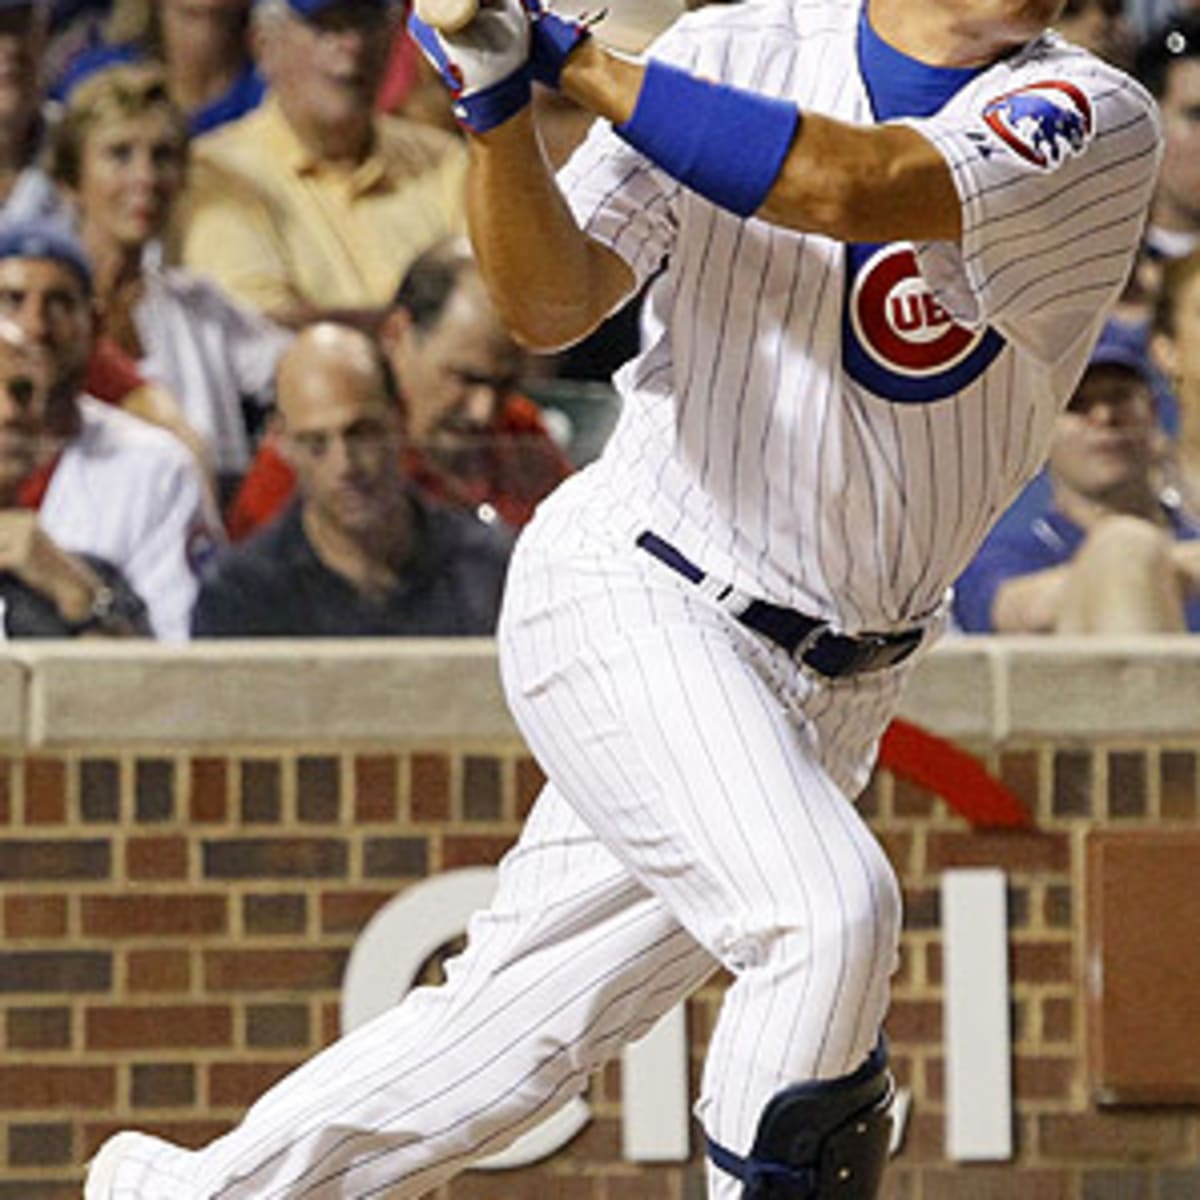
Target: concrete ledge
pixel 13 700
pixel 250 693
pixel 957 691
pixel 257 692
pixel 1098 687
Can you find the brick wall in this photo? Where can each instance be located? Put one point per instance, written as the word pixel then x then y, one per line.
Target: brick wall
pixel 176 920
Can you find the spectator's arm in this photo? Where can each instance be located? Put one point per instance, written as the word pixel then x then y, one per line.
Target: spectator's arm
pixel 114 378
pixel 1030 603
pixel 83 599
pixel 1122 579
pixel 155 404
pixel 1016 562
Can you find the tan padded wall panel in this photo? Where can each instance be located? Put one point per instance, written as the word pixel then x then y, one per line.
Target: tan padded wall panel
pixel 1143 966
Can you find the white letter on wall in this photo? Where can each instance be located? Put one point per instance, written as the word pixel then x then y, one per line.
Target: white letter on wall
pixel 978 1037
pixel 390 952
pixel 654 1099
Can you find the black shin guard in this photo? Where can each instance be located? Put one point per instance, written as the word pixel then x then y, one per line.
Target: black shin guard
pixel 826 1140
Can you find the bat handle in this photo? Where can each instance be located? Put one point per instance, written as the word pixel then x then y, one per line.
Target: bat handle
pixel 447 16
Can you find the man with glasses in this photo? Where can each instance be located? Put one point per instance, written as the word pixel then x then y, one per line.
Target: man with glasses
pixel 314 205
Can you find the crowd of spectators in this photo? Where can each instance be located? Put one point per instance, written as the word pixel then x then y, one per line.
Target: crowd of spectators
pixel 252 385
pixel 250 381
pixel 82 477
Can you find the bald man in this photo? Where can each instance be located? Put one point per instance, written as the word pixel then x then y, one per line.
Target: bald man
pixel 358 553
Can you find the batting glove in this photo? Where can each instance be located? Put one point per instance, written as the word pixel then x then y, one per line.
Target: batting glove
pixel 485 65
pixel 554 39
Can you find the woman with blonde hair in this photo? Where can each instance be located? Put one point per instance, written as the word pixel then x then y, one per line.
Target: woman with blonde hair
pixel 120 152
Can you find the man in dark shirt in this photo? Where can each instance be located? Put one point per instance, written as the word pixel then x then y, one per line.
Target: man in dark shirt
pixel 360 553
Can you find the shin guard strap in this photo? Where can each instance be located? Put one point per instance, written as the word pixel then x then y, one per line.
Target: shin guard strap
pixel 760 1178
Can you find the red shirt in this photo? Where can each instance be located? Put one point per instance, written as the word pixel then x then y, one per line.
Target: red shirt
pixel 31 491
pixel 111 373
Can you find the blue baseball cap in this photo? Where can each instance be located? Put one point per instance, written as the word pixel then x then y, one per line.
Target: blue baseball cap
pixel 1121 347
pixel 45 240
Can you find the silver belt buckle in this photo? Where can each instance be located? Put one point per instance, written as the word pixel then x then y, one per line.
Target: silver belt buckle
pixel 806 643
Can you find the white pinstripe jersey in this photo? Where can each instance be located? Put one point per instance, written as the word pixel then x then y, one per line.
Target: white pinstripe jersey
pixel 838 438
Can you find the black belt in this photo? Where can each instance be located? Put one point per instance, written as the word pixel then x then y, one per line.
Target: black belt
pixel 810 640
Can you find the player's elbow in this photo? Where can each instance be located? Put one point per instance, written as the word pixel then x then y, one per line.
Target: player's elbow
pixel 545 328
pixel 551 319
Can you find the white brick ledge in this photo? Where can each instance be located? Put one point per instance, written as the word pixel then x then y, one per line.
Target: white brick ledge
pixel 58 695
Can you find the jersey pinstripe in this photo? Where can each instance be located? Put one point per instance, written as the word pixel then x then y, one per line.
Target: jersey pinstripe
pixel 742 438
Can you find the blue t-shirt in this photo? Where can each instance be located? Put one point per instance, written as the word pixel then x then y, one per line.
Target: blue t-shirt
pixel 1047 539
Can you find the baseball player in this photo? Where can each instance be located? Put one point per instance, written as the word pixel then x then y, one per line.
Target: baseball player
pixel 883 238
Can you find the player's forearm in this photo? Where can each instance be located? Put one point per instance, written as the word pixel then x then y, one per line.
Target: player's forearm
pixel 852 183
pixel 603 81
pixel 550 282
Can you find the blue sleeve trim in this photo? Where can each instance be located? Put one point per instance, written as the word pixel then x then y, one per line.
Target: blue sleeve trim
pixel 727 144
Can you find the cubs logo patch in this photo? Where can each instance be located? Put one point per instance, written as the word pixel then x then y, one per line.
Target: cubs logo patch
pixel 898 341
pixel 1044 123
pixel 898 320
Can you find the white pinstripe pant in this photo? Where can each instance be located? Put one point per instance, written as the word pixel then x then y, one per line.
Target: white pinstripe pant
pixel 696 815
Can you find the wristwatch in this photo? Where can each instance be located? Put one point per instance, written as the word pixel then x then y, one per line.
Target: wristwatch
pixel 102 613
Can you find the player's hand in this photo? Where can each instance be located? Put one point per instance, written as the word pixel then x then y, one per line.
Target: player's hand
pixel 485 65
pixel 554 39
